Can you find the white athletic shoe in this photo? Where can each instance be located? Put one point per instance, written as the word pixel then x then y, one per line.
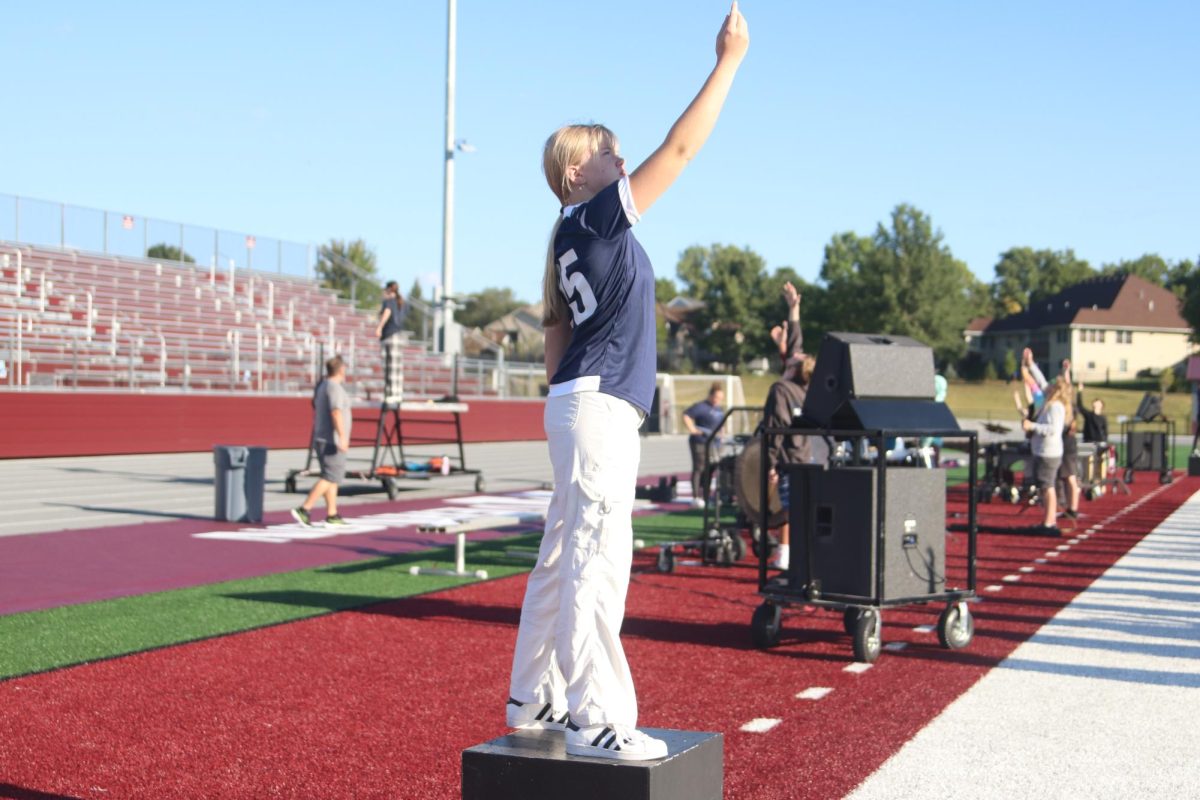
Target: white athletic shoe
pixel 617 742
pixel 697 502
pixel 534 716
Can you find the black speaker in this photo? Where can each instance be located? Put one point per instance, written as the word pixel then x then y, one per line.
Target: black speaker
pixel 839 506
pixel 854 366
pixel 1146 450
pixel 1149 408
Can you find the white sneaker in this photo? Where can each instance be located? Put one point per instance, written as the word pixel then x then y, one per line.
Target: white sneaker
pixel 534 716
pixel 617 742
pixel 697 502
pixel 782 557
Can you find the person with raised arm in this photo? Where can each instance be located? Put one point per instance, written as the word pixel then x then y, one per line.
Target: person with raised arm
pixel 569 668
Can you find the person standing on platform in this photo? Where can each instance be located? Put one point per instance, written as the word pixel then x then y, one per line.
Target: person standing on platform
pixel 569 668
pixel 392 314
pixel 702 420
pixel 330 441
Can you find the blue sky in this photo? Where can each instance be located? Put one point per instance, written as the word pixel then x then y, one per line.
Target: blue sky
pixel 1064 124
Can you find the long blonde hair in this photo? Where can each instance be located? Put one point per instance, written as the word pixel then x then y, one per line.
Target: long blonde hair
pixel 568 146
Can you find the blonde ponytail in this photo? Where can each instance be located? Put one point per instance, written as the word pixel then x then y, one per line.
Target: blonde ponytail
pixel 568 146
pixel 554 305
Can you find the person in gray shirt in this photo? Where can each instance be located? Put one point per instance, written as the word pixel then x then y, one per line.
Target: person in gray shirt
pixel 330 441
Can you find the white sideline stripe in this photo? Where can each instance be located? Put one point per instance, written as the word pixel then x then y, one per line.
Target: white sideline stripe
pixel 1053 554
pixel 814 693
pixel 995 587
pixel 1041 561
pixel 1026 570
pixel 1011 578
pixel 895 646
pixel 760 725
pixel 924 629
pixel 857 668
pixel 1063 548
pixel 1110 686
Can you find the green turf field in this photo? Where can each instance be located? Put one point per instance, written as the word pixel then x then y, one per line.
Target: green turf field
pixel 36 641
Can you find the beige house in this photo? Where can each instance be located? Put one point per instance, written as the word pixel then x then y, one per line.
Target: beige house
pixel 1111 328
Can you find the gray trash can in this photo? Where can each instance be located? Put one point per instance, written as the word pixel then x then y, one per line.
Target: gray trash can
pixel 240 482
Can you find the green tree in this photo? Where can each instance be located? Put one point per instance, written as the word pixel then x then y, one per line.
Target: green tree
pixel 487 306
pixel 1190 307
pixel 349 269
pixel 731 281
pixel 169 252
pixel 1025 275
pixel 415 320
pixel 1155 269
pixel 664 290
pixel 1010 364
pixel 903 280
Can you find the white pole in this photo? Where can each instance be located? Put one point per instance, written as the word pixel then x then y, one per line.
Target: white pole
pixel 447 319
pixel 20 359
pixel 270 301
pixel 42 293
pixel 162 361
pixel 258 331
pixel 19 288
pixel 232 274
pixel 90 319
pixel 291 316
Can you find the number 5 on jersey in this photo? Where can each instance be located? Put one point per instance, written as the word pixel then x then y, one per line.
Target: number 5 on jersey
pixel 580 297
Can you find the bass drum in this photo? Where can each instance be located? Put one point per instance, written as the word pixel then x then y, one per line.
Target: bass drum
pixel 746 482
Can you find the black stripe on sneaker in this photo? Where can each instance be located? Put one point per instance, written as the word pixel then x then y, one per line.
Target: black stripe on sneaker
pixel 612 741
pixel 600 737
pixel 514 702
pixel 545 710
pixel 571 726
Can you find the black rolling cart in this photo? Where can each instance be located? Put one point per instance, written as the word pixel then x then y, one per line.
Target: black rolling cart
pixel 720 543
pixel 1149 437
pixel 439 423
pixel 869 535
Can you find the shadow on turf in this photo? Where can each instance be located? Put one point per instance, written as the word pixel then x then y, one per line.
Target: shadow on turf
pixel 10 792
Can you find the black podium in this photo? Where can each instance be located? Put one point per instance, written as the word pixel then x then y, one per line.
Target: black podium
pixel 532 765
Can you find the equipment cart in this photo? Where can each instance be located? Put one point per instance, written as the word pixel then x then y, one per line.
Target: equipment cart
pixel 436 423
pixel 1148 448
pixel 719 543
pixel 867 536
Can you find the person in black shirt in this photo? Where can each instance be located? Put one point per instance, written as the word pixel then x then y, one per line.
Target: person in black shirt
pixel 1095 424
pixel 392 314
pixel 784 401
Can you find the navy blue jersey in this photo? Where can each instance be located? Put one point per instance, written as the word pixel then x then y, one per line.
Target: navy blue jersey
pixel 608 282
pixel 706 417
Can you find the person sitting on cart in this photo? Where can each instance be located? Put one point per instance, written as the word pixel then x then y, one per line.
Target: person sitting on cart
pixel 330 441
pixel 702 420
pixel 785 399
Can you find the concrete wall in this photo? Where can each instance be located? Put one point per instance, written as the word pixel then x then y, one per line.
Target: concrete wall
pixel 36 424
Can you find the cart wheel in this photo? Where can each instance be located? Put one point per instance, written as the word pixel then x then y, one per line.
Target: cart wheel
pixel 666 560
pixel 1092 493
pixel 389 486
pixel 956 627
pixel 480 484
pixel 765 625
pixel 1164 478
pixel 289 485
pixel 867 639
pixel 756 540
pixel 1128 477
pixel 850 619
pixel 739 544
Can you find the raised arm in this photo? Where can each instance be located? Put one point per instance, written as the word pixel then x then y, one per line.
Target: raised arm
pixel 691 130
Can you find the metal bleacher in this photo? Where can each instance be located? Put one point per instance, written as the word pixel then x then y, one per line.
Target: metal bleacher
pixel 74 320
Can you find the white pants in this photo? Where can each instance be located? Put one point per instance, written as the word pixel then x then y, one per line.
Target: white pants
pixel 568 649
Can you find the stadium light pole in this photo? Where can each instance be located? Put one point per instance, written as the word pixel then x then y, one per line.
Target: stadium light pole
pixel 449 343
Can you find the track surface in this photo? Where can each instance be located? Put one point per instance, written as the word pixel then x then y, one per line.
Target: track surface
pixel 379 702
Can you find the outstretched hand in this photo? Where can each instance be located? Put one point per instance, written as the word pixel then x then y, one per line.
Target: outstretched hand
pixel 790 294
pixel 734 37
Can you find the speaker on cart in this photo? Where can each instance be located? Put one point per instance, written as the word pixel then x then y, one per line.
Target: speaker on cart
pixel 838 508
pixel 874 381
pixel 1146 450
